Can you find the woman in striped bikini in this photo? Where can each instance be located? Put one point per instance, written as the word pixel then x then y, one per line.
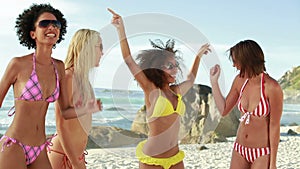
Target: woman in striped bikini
pixel 260 100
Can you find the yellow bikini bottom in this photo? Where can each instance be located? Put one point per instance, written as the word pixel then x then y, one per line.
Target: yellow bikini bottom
pixel 166 163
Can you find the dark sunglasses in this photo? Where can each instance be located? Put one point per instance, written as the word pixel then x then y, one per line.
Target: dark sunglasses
pixel 46 23
pixel 170 66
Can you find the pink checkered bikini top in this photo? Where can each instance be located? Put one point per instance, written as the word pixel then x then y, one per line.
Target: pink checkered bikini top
pixel 262 108
pixel 33 91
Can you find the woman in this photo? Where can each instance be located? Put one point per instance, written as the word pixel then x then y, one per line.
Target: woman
pixel 156 74
pixel 260 99
pixel 36 82
pixel 85 51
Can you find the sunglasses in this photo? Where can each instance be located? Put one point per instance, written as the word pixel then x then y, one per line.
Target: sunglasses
pixel 46 23
pixel 170 66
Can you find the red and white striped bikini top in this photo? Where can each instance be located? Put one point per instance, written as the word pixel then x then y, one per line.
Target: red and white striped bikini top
pixel 262 108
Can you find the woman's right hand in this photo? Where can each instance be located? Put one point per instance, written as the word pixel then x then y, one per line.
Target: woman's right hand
pixel 116 20
pixel 91 106
pixel 100 105
pixel 215 73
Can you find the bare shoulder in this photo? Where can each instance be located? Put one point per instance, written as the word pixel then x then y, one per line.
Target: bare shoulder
pixel 68 74
pixel 60 67
pixel 271 82
pixel 59 63
pixel 238 82
pixel 21 62
pixel 175 88
pixel 272 86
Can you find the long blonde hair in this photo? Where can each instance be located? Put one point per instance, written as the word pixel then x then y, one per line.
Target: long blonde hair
pixel 82 56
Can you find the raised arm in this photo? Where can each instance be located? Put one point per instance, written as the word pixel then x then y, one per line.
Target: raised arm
pixel 186 85
pixel 133 67
pixel 223 105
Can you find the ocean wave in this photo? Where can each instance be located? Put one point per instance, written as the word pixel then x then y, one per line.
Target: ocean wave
pixel 115 109
pixel 116 122
pixel 293 113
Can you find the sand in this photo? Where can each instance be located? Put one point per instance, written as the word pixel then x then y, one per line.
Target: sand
pixel 217 156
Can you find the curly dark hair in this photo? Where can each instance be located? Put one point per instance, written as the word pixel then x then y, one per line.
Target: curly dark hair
pixel 26 21
pixel 152 60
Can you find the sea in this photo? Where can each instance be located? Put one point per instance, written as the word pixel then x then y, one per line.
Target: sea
pixel 119 110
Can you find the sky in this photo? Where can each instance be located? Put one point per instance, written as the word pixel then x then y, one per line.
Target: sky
pixel 274 25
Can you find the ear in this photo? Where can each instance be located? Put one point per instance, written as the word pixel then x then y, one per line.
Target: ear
pixel 32 34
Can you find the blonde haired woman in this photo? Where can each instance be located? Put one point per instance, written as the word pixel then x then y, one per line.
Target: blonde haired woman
pixel 84 53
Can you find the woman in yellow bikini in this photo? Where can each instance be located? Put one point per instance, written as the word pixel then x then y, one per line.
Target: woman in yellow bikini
pixel 156 74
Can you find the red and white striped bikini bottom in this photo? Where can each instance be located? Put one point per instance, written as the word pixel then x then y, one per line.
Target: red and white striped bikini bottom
pixel 250 154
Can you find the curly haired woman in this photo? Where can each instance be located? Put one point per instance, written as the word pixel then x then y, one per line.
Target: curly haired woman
pixel 37 80
pixel 156 74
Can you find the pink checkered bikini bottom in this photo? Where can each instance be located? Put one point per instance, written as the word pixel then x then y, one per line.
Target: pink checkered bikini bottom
pixel 31 152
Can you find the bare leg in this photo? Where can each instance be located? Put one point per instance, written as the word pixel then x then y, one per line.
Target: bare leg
pixel 41 161
pixel 238 161
pixel 56 160
pixel 80 164
pixel 179 165
pixel 12 156
pixel 261 162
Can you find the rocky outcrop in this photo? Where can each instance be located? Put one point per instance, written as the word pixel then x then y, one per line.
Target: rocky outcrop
pixel 298 129
pixel 201 120
pixel 108 137
pixel 291 97
pixel 290 84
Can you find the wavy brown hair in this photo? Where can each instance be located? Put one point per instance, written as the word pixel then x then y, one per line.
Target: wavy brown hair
pixel 249 55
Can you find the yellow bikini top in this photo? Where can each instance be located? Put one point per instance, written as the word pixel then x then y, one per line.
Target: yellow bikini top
pixel 163 106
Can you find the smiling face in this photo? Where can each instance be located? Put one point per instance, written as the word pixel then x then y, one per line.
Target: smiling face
pixel 170 67
pixel 46 34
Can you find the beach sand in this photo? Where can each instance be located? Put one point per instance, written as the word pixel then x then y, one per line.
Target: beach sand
pixel 217 156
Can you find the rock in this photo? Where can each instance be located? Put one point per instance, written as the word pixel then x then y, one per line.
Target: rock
pixel 298 129
pixel 291 132
pixel 139 124
pixel 108 137
pixel 293 124
pixel 289 83
pixel 202 148
pixel 229 124
pixel 212 137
